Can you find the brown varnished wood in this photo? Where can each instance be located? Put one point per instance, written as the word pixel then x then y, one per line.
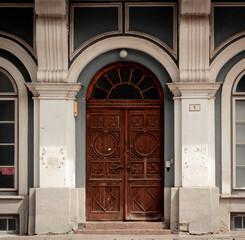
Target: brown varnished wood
pixel 105 164
pixel 139 181
pixel 124 151
pixel 145 159
pixel 125 163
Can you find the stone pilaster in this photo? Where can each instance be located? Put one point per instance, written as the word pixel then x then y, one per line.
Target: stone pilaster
pixel 52 40
pixel 54 126
pixel 195 158
pixel 194 40
pixel 194 126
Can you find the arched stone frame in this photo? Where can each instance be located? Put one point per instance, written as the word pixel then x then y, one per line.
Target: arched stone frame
pixel 227 54
pixel 219 62
pixel 106 46
pixel 20 40
pixel 226 120
pixel 22 55
pixel 22 123
pixel 118 43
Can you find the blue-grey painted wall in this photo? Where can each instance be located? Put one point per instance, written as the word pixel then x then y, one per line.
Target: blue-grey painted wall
pixel 86 76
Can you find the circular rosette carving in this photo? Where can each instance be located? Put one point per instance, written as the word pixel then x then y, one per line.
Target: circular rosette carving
pixel 145 144
pixel 105 144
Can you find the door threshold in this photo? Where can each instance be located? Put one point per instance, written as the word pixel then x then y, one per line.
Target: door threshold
pixel 124 228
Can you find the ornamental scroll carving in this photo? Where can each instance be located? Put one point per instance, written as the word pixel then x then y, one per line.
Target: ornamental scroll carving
pixel 137 121
pixel 113 121
pixel 152 121
pixel 97 168
pixel 52 41
pixel 97 121
pixel 194 40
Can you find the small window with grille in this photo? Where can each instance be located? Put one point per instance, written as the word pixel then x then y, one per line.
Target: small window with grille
pixel 8 224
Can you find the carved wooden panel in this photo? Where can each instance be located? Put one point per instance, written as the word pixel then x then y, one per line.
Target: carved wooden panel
pixel 124 143
pixel 113 121
pixel 145 202
pixel 137 121
pixel 105 186
pixel 153 121
pixel 144 144
pixel 105 198
pixel 105 144
pixel 97 121
pixel 145 174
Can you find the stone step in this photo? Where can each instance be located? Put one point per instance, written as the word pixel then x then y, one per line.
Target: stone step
pixel 124 228
pixel 124 231
pixel 124 225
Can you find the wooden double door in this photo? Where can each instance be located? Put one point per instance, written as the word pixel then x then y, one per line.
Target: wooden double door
pixel 124 164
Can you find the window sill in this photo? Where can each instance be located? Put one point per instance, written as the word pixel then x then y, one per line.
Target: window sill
pixel 231 196
pixel 3 197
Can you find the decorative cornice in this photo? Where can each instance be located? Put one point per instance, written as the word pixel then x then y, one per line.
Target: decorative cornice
pixel 193 90
pixel 194 41
pixel 54 91
pixel 52 40
pixel 195 7
pixel 50 8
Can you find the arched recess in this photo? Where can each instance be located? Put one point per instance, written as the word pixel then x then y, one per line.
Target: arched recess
pixel 227 54
pixel 85 77
pixel 236 72
pixel 118 43
pixel 22 122
pixel 22 55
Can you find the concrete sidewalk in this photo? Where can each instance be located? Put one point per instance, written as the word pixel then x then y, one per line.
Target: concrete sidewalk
pixel 230 236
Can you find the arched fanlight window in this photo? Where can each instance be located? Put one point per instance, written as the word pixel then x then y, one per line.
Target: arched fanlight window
pixel 238 133
pixel 8 132
pixel 124 81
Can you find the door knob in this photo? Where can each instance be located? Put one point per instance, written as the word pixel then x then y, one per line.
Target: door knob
pixel 128 167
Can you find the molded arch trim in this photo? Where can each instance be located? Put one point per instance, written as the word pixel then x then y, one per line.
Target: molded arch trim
pixel 227 54
pixel 234 73
pixel 23 56
pixel 22 122
pixel 118 43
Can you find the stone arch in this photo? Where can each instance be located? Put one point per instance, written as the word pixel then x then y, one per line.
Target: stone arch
pixel 236 71
pixel 227 54
pixel 22 122
pixel 118 43
pixel 22 55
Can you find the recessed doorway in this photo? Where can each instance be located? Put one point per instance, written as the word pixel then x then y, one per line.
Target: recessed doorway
pixel 124 166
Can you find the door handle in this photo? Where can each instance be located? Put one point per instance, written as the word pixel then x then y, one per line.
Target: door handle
pixel 128 167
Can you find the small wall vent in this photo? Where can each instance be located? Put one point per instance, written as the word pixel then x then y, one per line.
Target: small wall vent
pixel 8 224
pixel 238 221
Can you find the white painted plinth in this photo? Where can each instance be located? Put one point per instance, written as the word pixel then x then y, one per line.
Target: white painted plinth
pixel 199 210
pixel 57 210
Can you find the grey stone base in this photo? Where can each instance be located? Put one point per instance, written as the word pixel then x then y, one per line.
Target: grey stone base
pixel 198 209
pixel 55 210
